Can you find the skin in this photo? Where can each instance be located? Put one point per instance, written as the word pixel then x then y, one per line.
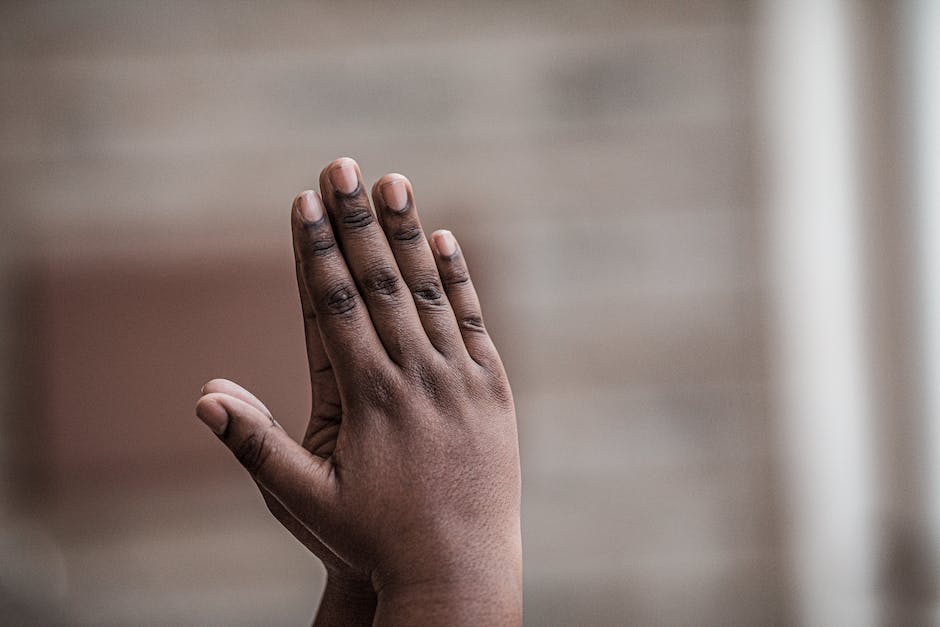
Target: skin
pixel 406 484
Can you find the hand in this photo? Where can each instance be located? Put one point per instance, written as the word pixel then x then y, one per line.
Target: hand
pixel 420 488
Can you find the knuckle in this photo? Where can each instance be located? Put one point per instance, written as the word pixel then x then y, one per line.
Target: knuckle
pixel 456 277
pixel 357 216
pixel 318 245
pixel 382 280
pixel 252 452
pixel 407 234
pixel 471 322
pixel 428 292
pixel 338 299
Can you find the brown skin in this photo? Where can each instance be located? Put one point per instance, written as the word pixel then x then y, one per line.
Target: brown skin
pixel 407 482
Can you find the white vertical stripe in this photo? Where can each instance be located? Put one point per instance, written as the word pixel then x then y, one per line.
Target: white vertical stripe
pixel 922 32
pixel 819 346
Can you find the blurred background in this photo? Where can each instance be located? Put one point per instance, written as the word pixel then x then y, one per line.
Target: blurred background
pixel 706 236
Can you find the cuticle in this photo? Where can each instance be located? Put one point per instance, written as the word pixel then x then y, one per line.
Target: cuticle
pixel 355 192
pixel 308 223
pixel 403 210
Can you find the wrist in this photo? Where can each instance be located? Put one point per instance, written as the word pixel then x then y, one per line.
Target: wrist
pixel 476 601
pixel 474 591
pixel 346 600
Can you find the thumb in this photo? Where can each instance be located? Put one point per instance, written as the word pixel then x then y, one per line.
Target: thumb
pixel 301 481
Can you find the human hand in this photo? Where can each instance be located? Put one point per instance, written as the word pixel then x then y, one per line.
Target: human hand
pixel 416 486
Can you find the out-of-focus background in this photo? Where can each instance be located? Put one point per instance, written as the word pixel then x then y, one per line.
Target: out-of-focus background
pixel 705 235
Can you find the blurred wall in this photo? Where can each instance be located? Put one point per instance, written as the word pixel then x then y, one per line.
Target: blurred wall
pixel 595 159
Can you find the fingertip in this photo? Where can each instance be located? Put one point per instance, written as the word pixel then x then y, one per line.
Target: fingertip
pixel 391 177
pixel 445 244
pixel 308 206
pixel 231 390
pixel 296 202
pixel 212 413
pixel 344 175
pixel 340 162
pixel 393 192
pixel 215 385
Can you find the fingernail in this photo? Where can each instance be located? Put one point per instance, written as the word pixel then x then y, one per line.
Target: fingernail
pixel 446 244
pixel 311 207
pixel 213 415
pixel 395 194
pixel 343 176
